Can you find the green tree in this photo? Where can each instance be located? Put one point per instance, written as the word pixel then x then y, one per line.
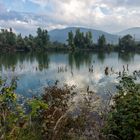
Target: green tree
pixel 78 38
pixel 42 39
pixel 101 41
pixel 29 42
pixel 11 38
pixel 71 40
pixel 127 42
pixel 7 39
pixel 20 41
pixel 88 39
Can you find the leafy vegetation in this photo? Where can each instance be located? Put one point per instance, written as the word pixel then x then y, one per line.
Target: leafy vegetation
pixel 102 42
pixel 124 118
pixel 16 122
pixel 127 43
pixel 49 117
pixel 10 41
pixel 63 113
pixel 79 40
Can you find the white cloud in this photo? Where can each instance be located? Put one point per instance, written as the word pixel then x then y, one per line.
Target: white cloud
pixel 42 3
pixel 108 15
pixel 26 27
pixel 18 25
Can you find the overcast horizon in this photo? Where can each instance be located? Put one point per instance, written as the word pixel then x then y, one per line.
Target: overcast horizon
pixel 111 16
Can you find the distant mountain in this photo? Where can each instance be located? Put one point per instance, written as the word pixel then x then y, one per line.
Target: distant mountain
pixel 61 35
pixel 135 32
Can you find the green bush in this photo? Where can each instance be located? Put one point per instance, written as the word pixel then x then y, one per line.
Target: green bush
pixel 15 122
pixel 124 118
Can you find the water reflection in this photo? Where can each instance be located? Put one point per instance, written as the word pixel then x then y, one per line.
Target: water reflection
pixel 97 71
pixel 127 56
pixel 79 58
pixel 23 62
pixel 101 57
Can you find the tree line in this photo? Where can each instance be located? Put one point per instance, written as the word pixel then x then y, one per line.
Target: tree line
pixel 10 41
pixel 84 40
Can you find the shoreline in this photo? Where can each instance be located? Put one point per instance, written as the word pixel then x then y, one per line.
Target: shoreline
pixel 56 49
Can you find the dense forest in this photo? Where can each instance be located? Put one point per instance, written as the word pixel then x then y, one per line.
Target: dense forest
pixel 10 41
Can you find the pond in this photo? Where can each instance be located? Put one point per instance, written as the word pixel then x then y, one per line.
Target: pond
pixel 86 70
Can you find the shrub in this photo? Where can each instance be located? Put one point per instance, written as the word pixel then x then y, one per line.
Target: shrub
pixel 15 122
pixel 124 118
pixel 71 115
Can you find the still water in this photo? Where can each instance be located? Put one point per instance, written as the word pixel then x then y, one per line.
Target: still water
pixel 83 69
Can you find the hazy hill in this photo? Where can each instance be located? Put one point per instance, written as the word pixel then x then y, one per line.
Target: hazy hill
pixel 135 32
pixel 61 35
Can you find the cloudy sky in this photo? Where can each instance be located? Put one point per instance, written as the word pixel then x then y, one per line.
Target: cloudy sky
pixel 108 15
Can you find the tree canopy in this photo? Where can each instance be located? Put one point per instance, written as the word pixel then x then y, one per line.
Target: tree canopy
pixel 127 42
pixel 102 41
pixel 80 39
pixel 12 41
